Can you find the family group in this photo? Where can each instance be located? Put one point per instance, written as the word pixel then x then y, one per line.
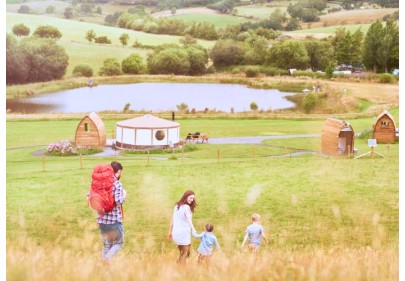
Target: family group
pixel 181 226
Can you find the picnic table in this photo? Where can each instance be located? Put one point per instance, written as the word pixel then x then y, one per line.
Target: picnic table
pixel 195 137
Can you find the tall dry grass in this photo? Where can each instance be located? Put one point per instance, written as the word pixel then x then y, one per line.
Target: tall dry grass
pixel 28 261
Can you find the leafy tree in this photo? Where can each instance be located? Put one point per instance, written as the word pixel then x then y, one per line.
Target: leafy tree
pixel 224 6
pixel 45 59
pixel 50 9
pixel 133 64
pixel 372 45
pixel 288 54
pixel 310 15
pixel 348 47
pixel 320 54
pixel 16 70
pixel 86 8
pixel 138 10
pixel 227 52
pixel 124 39
pixel 110 19
pixel 90 35
pixel 389 45
pixel 393 60
pixel 83 70
pixel 277 19
pixel 356 51
pixel 68 13
pixel 21 30
pixel 256 48
pixel 198 59
pixel 47 31
pixel 110 67
pixel 24 9
pixel 169 61
pixel 293 24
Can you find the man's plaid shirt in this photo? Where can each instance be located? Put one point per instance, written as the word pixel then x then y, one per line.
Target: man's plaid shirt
pixel 115 215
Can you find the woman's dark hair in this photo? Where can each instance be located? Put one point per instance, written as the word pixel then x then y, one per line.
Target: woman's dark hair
pixel 183 200
pixel 116 166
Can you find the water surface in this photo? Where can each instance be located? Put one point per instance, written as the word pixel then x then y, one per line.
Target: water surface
pixel 153 97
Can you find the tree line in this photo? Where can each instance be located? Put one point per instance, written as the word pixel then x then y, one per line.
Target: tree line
pixel 39 58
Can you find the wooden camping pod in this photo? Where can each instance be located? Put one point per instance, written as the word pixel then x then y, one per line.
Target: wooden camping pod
pixel 337 137
pixel 384 129
pixel 90 131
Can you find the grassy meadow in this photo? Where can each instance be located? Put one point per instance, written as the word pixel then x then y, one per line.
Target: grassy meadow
pixel 219 21
pixel 326 218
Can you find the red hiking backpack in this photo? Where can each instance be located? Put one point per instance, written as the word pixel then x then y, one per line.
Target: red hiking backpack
pixel 101 197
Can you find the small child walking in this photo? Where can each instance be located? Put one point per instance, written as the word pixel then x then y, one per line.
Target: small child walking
pixel 254 232
pixel 208 239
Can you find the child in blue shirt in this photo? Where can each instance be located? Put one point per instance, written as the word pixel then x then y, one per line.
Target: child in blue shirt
pixel 208 239
pixel 254 232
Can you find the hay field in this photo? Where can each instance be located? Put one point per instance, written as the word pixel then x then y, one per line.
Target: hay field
pixel 352 17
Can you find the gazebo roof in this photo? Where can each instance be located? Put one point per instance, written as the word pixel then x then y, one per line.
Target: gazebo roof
pixel 147 122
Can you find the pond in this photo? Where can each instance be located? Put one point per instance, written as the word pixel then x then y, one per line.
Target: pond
pixel 154 97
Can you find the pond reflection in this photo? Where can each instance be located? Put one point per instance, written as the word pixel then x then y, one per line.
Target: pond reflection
pixel 153 97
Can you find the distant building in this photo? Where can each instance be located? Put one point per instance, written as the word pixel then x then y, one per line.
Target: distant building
pixel 146 132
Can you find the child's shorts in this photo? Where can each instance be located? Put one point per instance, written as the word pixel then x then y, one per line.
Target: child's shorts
pixel 203 258
pixel 254 248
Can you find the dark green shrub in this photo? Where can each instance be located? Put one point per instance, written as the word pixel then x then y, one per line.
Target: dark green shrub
pixel 252 71
pixel 385 78
pixel 309 102
pixel 83 70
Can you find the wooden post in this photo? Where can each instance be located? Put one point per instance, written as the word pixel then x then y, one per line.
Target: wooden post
pixel 388 150
pixel 218 155
pixel 43 163
pixel 81 161
pixel 372 152
pixel 148 158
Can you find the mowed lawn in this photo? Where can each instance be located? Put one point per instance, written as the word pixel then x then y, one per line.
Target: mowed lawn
pixel 81 51
pixel 321 214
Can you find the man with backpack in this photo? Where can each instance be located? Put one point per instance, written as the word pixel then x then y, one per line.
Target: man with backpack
pixel 109 221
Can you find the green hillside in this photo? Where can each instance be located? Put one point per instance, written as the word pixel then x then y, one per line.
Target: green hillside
pixel 83 52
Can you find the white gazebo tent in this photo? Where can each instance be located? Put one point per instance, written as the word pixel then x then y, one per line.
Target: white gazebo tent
pixel 146 132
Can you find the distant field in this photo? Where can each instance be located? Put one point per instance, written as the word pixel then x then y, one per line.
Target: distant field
pixel 81 51
pixel 259 12
pixel 220 21
pixel 327 31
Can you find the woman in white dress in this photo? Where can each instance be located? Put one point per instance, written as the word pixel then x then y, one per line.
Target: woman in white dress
pixel 181 224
